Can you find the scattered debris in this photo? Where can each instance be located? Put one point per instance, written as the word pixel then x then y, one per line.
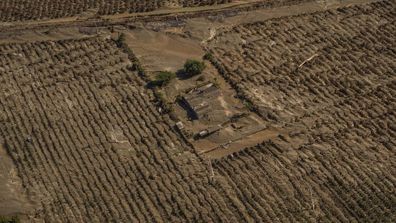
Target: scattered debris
pixel 307 60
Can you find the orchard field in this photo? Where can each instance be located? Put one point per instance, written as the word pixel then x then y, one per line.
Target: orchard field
pixel 17 10
pixel 88 142
pixel 331 76
pixel 91 144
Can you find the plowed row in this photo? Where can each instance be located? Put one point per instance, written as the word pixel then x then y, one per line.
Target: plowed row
pixel 339 165
pixel 88 142
pixel 16 10
pixel 352 52
pixel 90 146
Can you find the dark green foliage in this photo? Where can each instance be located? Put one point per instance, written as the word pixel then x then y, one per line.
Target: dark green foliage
pixel 163 78
pixel 120 40
pixel 249 105
pixel 9 219
pixel 208 56
pixel 193 67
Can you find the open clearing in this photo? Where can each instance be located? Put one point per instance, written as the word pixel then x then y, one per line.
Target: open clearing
pixel 293 118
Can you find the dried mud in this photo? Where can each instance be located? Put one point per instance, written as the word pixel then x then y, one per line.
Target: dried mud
pixel 16 10
pixel 331 75
pixel 89 144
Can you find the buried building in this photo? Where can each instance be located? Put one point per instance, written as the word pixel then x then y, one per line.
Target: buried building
pixel 217 124
pixel 198 101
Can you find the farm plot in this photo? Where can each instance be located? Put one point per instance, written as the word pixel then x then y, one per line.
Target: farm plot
pixel 16 10
pixel 294 67
pixel 331 76
pixel 89 144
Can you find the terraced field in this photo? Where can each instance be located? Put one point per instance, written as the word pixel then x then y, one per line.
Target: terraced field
pixel 16 10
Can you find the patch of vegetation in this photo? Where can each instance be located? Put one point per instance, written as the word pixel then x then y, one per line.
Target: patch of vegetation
pixel 163 78
pixel 216 83
pixel 193 67
pixel 208 56
pixel 120 40
pixel 9 219
pixel 248 105
pixel 163 102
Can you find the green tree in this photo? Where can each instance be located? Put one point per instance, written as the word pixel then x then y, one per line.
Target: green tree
pixel 9 219
pixel 208 56
pixel 193 67
pixel 163 78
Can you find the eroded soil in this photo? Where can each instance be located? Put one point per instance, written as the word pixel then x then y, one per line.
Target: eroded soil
pixel 12 194
pixel 87 142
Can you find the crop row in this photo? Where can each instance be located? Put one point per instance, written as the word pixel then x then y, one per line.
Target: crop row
pixel 329 77
pixel 292 66
pixel 16 10
pixel 89 144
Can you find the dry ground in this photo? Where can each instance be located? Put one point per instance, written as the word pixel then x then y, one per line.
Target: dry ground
pixel 90 145
pixel 16 10
pixel 12 195
pixel 330 75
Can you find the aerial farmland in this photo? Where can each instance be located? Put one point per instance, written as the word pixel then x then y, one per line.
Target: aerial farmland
pixel 197 111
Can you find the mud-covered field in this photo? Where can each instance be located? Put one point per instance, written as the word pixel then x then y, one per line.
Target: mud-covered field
pixel 339 164
pixel 84 140
pixel 297 67
pixel 16 10
pixel 87 140
pixel 90 146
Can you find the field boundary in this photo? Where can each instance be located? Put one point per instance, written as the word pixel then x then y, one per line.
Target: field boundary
pixel 159 15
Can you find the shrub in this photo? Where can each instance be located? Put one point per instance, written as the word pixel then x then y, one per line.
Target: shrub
pixel 163 102
pixel 193 67
pixel 248 105
pixel 120 40
pixel 163 78
pixel 9 219
pixel 208 56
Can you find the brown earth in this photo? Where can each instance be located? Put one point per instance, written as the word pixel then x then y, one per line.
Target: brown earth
pixel 15 10
pixel 158 51
pixel 332 74
pixel 89 144
pixel 12 196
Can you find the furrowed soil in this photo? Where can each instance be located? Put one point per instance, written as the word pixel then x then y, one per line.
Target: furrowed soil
pixel 82 138
pixel 12 197
pixel 330 75
pixel 88 142
pixel 16 10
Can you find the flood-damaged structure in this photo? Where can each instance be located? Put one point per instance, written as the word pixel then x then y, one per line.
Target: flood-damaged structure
pixel 215 122
pixel 198 100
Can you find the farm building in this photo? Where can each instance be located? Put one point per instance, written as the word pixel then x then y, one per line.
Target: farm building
pixel 199 101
